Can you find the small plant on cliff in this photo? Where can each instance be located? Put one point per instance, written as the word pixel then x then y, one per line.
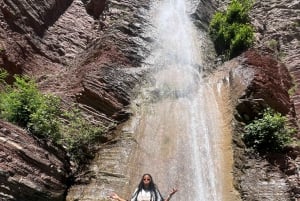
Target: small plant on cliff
pixel 79 134
pixel 24 105
pixel 3 75
pixel 269 133
pixel 19 101
pixel 230 30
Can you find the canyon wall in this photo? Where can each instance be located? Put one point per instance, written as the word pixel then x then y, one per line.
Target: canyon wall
pixel 90 52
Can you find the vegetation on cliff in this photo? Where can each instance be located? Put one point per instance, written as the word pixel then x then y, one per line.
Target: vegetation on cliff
pixel 230 30
pixel 269 133
pixel 42 115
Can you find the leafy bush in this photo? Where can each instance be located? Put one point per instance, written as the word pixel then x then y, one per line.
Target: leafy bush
pixel 79 134
pixel 41 114
pixel 3 75
pixel 269 133
pixel 230 30
pixel 44 122
pixel 17 103
pixel 237 12
pixel 242 38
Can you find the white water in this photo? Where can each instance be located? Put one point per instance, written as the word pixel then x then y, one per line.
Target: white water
pixel 178 124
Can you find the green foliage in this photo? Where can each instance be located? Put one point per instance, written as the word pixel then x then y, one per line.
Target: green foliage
pixel 273 44
pixel 242 39
pixel 269 133
pixel 3 75
pixel 237 12
pixel 17 103
pixel 41 114
pixel 79 134
pixel 230 30
pixel 44 121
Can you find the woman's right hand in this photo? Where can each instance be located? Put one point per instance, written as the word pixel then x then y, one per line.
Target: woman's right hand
pixel 174 190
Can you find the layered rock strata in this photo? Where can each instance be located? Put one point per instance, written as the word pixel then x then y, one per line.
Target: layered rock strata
pixel 257 81
pixel 81 51
pixel 30 169
pixel 90 52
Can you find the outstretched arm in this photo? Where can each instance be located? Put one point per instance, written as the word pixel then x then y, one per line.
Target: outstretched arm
pixel 116 197
pixel 173 191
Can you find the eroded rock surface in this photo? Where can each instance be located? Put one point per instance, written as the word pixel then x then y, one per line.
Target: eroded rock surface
pixel 30 170
pixel 91 60
pixel 261 81
pixel 91 54
pixel 277 25
pixel 253 84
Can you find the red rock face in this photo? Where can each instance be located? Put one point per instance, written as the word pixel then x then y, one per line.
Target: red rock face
pixel 257 80
pixel 271 82
pixel 96 64
pixel 22 25
pixel 90 60
pixel 266 84
pixel 30 169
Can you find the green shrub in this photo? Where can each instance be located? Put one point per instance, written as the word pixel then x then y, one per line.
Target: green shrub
pixel 237 12
pixel 269 133
pixel 79 134
pixel 242 39
pixel 272 44
pixel 44 122
pixel 17 103
pixel 230 30
pixel 3 75
pixel 219 32
pixel 41 114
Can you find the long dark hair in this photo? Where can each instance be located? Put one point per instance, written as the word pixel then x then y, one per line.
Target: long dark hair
pixel 152 188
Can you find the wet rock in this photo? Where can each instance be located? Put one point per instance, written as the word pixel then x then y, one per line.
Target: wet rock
pixel 254 77
pixel 82 61
pixel 204 13
pixel 96 62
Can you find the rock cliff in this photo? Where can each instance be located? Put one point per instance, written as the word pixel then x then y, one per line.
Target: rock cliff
pixel 257 80
pixel 267 75
pixel 30 169
pixel 90 52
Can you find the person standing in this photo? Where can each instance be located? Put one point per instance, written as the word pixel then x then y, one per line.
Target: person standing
pixel 146 191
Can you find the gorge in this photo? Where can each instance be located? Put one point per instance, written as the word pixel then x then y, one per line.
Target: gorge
pixel 118 60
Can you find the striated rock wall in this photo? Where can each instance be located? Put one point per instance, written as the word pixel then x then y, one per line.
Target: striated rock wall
pixel 82 57
pixel 277 26
pixel 268 76
pixel 253 79
pixel 90 52
pixel 30 170
pixel 32 15
pixel 22 25
pixel 269 86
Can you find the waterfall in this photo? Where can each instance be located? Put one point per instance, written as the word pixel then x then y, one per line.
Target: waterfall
pixel 177 121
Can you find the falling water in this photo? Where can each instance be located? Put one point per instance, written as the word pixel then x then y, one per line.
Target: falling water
pixel 177 122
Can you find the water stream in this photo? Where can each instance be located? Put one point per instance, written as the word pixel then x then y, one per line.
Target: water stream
pixel 178 124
